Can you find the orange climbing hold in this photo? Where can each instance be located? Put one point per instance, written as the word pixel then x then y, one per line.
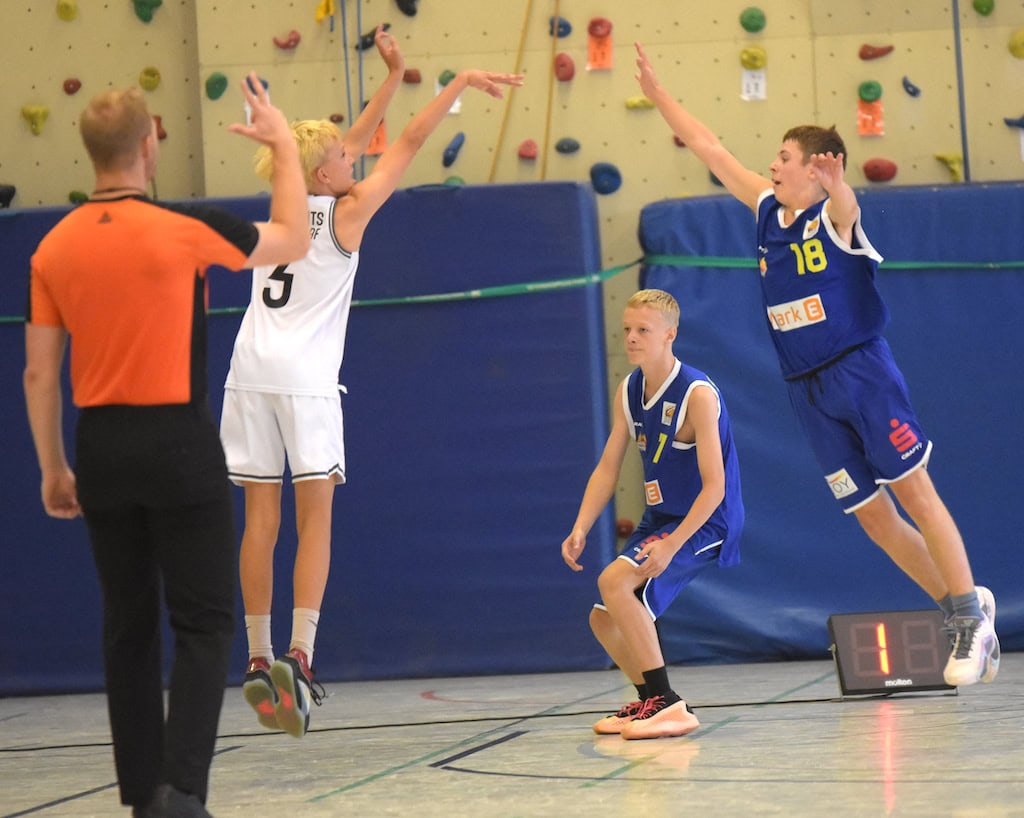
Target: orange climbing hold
pixel 873 52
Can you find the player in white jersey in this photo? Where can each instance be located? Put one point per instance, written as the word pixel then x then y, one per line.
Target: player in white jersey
pixel 281 397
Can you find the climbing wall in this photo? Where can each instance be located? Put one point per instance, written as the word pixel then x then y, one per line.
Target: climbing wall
pixel 812 71
pixel 103 45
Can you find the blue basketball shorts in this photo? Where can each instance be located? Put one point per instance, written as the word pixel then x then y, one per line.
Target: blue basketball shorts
pixel 860 423
pixel 698 553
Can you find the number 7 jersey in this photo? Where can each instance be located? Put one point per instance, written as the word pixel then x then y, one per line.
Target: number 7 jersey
pixel 292 336
pixel 672 478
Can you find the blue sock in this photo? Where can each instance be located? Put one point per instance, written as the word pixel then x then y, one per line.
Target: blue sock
pixel 946 604
pixel 966 605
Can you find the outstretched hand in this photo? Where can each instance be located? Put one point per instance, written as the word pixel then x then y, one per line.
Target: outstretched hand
pixel 387 47
pixel 645 72
pixel 266 125
pixel 489 82
pixel 827 169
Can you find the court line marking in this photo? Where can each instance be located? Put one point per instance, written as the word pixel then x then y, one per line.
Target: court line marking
pixel 370 779
pixel 84 794
pixel 444 762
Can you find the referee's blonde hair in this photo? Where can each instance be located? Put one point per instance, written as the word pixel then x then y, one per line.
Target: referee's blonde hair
pixel 660 300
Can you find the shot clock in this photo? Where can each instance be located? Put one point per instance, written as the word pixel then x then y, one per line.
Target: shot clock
pixel 889 652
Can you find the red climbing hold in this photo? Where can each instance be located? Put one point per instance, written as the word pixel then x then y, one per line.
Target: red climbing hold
pixel 565 68
pixel 528 149
pixel 288 42
pixel 873 52
pixel 879 170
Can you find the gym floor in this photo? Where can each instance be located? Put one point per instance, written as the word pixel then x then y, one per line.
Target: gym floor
pixel 775 739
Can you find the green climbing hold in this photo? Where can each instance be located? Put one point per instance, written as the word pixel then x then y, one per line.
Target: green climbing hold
pixel 869 91
pixel 216 85
pixel 752 19
pixel 78 196
pixel 144 9
pixel 984 7
pixel 446 76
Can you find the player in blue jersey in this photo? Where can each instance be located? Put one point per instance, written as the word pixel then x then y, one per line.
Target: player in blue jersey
pixel 693 518
pixel 826 319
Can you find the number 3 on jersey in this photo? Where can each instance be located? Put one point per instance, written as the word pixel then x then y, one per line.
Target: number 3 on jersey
pixel 279 274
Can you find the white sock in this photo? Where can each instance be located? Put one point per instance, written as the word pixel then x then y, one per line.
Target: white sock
pixel 304 622
pixel 257 631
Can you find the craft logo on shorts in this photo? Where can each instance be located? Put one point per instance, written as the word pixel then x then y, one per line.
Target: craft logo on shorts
pixel 903 439
pixel 841 483
pixel 797 314
pixel 668 412
pixel 652 491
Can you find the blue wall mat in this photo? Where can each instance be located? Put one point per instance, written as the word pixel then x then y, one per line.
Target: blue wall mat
pixel 471 429
pixel 957 337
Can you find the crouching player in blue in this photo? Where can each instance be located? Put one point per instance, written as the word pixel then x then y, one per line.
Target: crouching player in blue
pixel 693 518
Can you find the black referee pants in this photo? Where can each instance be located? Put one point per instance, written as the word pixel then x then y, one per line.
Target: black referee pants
pixel 157 503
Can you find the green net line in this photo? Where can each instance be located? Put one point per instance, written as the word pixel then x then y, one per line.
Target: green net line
pixel 505 290
pixel 741 262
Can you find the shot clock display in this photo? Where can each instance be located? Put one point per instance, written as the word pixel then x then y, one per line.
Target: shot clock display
pixel 889 652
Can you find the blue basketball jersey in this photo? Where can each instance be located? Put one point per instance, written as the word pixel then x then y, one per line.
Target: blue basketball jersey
pixel 671 475
pixel 819 293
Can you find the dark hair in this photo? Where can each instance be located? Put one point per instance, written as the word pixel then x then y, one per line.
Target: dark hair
pixel 815 139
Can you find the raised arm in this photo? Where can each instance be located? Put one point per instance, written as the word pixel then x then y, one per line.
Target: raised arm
pixel 842 203
pixel 744 184
pixel 285 237
pixel 358 136
pixel 354 210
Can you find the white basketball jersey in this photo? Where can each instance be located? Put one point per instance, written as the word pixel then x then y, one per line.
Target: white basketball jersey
pixel 292 336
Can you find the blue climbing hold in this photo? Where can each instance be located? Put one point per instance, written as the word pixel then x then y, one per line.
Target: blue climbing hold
pixel 910 88
pixel 567 145
pixel 263 82
pixel 560 26
pixel 605 177
pixel 451 153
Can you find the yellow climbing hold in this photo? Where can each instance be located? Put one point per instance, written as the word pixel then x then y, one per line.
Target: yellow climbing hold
pixel 639 102
pixel 753 58
pixel 955 163
pixel 149 78
pixel 324 9
pixel 35 116
pixel 67 10
pixel 1017 43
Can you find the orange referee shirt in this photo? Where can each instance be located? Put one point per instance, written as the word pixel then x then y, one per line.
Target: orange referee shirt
pixel 126 279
